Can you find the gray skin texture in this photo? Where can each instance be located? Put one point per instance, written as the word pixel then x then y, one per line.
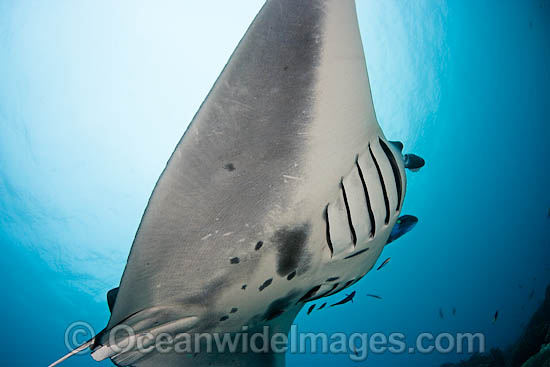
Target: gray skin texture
pixel 283 182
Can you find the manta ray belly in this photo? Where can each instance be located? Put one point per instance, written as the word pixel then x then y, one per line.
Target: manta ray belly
pixel 283 190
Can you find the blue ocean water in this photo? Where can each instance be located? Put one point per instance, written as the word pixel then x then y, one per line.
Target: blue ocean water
pixel 94 96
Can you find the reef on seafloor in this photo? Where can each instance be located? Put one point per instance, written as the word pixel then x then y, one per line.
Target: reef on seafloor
pixel 532 349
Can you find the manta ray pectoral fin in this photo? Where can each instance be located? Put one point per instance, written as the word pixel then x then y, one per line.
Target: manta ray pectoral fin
pixel 403 225
pixel 111 298
pixel 413 162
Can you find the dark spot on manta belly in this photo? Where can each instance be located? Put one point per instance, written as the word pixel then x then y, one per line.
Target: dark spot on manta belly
pixel 234 260
pixel 312 292
pixel 234 310
pixel 223 318
pixel 266 284
pixel 229 166
pixel 291 245
pixel 274 314
pixel 279 306
pixel 259 245
pixel 291 275
pixel 243 287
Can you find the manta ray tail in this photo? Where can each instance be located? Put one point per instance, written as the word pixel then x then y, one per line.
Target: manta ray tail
pixel 73 352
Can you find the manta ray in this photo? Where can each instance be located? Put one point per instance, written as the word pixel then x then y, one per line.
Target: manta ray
pixel 283 190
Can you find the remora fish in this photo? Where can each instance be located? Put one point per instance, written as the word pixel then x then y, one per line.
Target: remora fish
pixel 384 263
pixel 349 298
pixel 283 180
pixel 403 225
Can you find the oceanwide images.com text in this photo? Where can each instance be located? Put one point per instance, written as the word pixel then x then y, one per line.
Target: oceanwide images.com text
pixel 357 345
